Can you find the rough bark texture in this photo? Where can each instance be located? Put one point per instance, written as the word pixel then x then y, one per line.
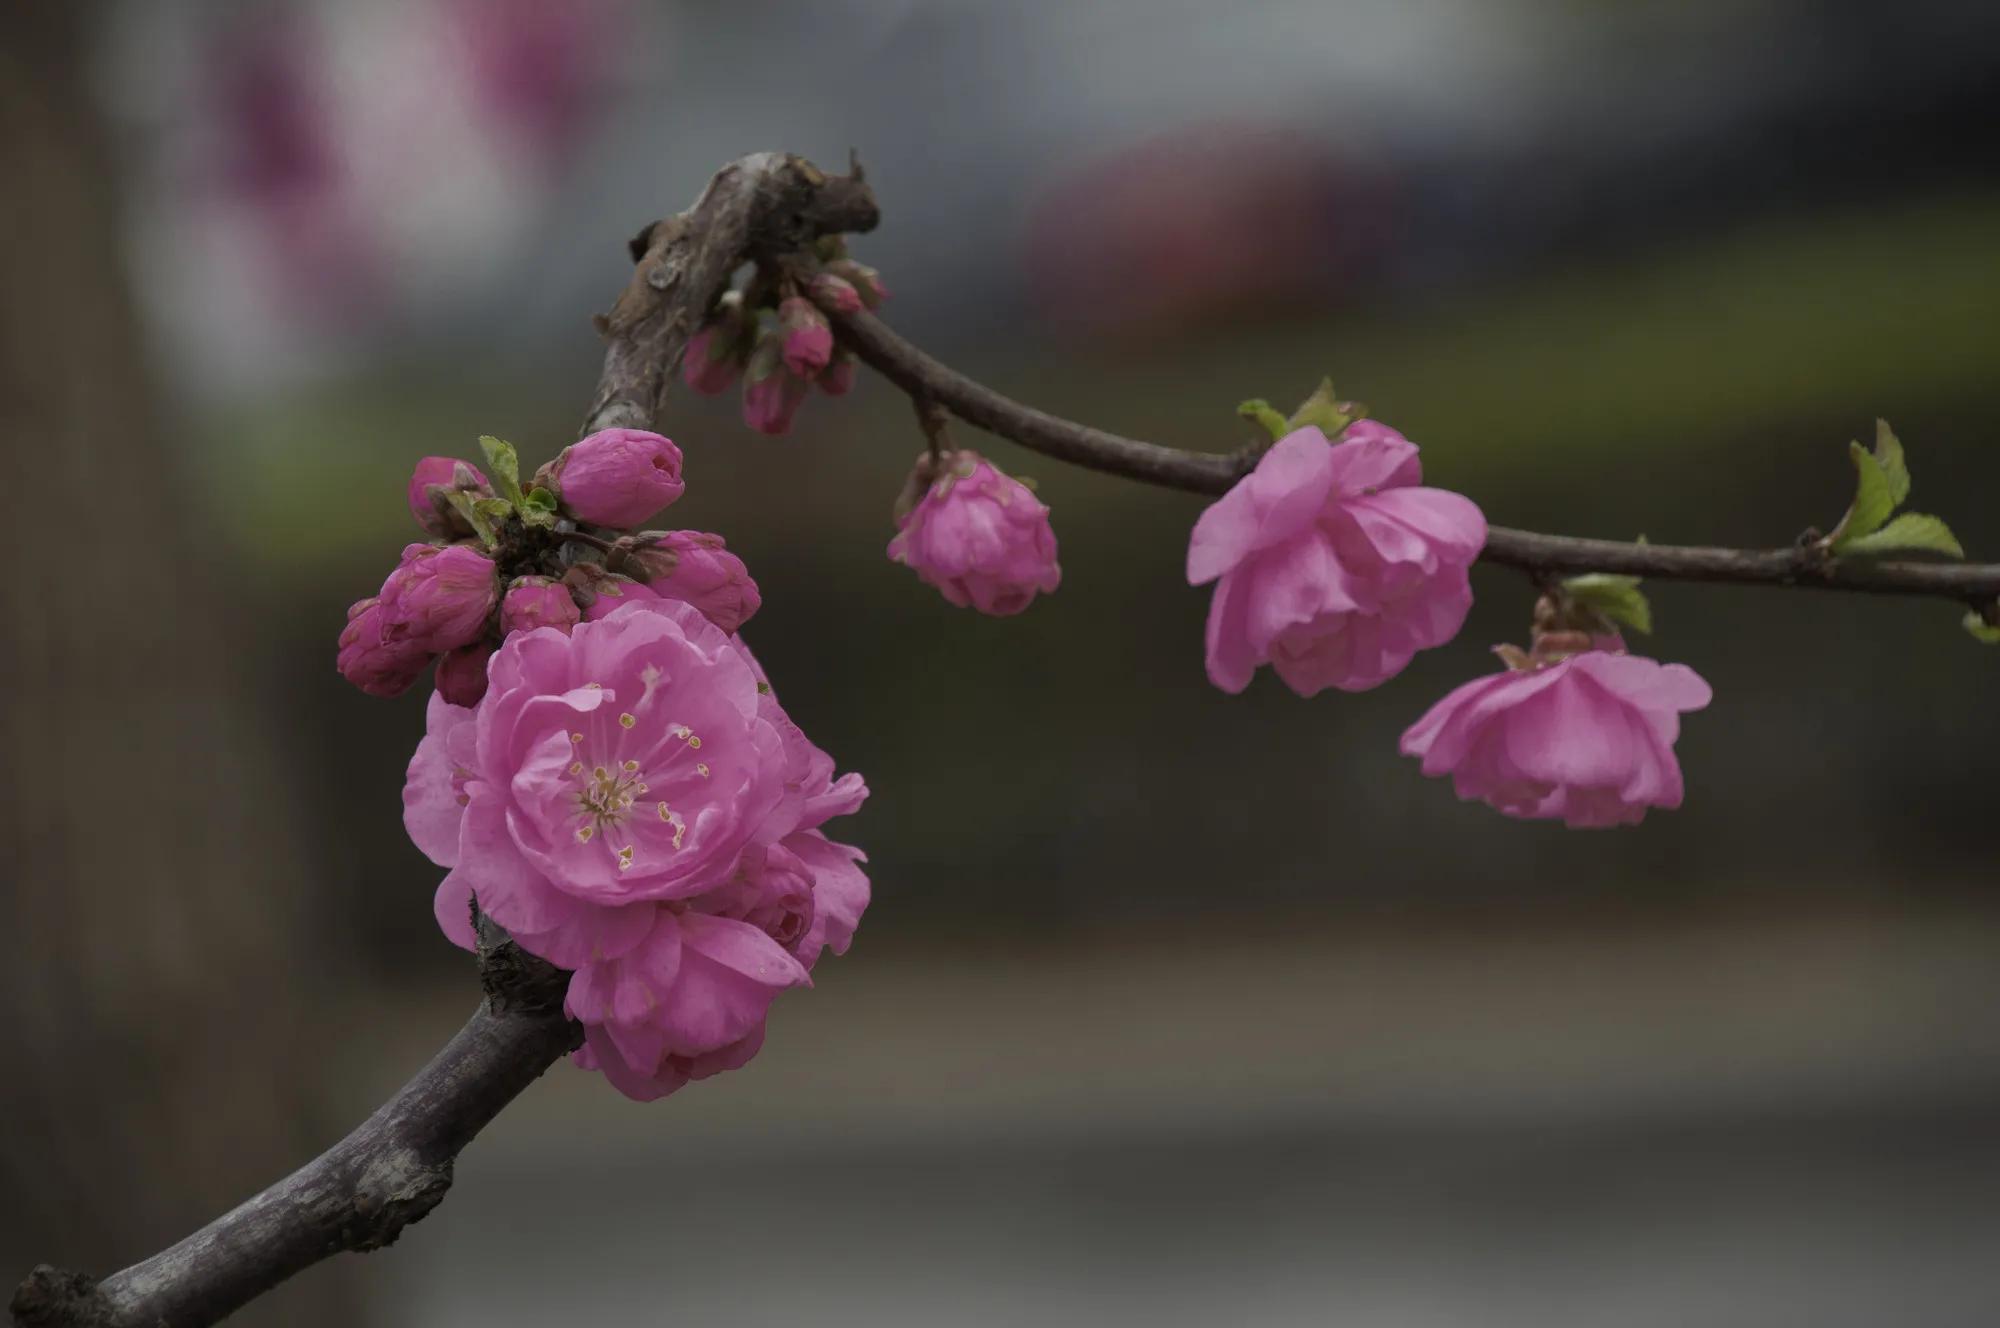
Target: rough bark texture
pixel 155 905
pixel 764 206
pixel 928 380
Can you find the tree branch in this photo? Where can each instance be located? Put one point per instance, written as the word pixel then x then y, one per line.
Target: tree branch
pixel 359 1194
pixel 396 1167
pixel 928 380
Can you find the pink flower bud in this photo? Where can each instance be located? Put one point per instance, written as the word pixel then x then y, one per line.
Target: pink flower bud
pixel 618 477
pixel 431 486
pixel 1587 740
pixel 600 591
pixel 537 601
pixel 461 673
pixel 438 597
pixel 979 536
pixel 837 379
pixel 716 353
pixel 835 292
pixel 771 393
pixel 377 666
pixel 695 568
pixel 866 281
pixel 808 336
pixel 1333 563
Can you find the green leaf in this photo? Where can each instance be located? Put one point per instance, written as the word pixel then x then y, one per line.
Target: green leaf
pixel 466 506
pixel 1617 598
pixel 1981 630
pixel 505 464
pixel 538 507
pixel 1889 456
pixel 1911 530
pixel 1322 410
pixel 1265 414
pixel 1874 499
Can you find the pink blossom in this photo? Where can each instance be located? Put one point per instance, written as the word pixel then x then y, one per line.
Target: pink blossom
pixel 771 393
pixel 378 665
pixel 837 379
pixel 835 292
pixel 866 281
pixel 618 477
pixel 1588 739
pixel 1333 564
pixel 696 568
pixel 979 536
pixel 439 596
pixel 537 601
pixel 611 592
pixel 431 486
pixel 461 673
pixel 629 802
pixel 808 336
pixel 712 363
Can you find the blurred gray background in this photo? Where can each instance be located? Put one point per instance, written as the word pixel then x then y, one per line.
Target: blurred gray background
pixel 1172 1007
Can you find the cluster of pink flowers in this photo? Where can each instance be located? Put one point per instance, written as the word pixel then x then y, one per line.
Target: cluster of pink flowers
pixel 1335 565
pixel 606 771
pixel 452 602
pixel 779 342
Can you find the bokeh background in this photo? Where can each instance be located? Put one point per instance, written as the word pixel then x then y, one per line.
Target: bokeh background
pixel 1172 1008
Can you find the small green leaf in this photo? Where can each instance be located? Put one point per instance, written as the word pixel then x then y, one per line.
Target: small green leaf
pixel 506 466
pixel 1617 598
pixel 1889 455
pixel 539 500
pixel 1911 530
pixel 1323 411
pixel 1265 414
pixel 1874 499
pixel 1982 631
pixel 466 506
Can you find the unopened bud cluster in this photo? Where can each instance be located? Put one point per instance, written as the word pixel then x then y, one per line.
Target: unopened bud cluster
pixel 775 338
pixel 562 552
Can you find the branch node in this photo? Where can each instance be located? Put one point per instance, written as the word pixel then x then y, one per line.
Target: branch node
pixel 51 1297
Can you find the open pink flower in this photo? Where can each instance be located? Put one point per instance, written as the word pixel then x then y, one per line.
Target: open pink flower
pixel 1588 740
pixel 618 477
pixel 630 803
pixel 980 537
pixel 1332 563
pixel 438 597
pixel 697 568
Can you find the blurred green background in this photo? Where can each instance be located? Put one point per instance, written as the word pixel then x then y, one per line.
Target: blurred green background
pixel 1171 1007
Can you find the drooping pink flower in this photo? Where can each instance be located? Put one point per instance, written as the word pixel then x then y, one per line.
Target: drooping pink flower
pixel 771 392
pixel 657 832
pixel 618 477
pixel 461 673
pixel 697 568
pixel 980 537
pixel 439 596
pixel 1333 563
pixel 537 601
pixel 378 665
pixel 431 486
pixel 1587 739
pixel 808 336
